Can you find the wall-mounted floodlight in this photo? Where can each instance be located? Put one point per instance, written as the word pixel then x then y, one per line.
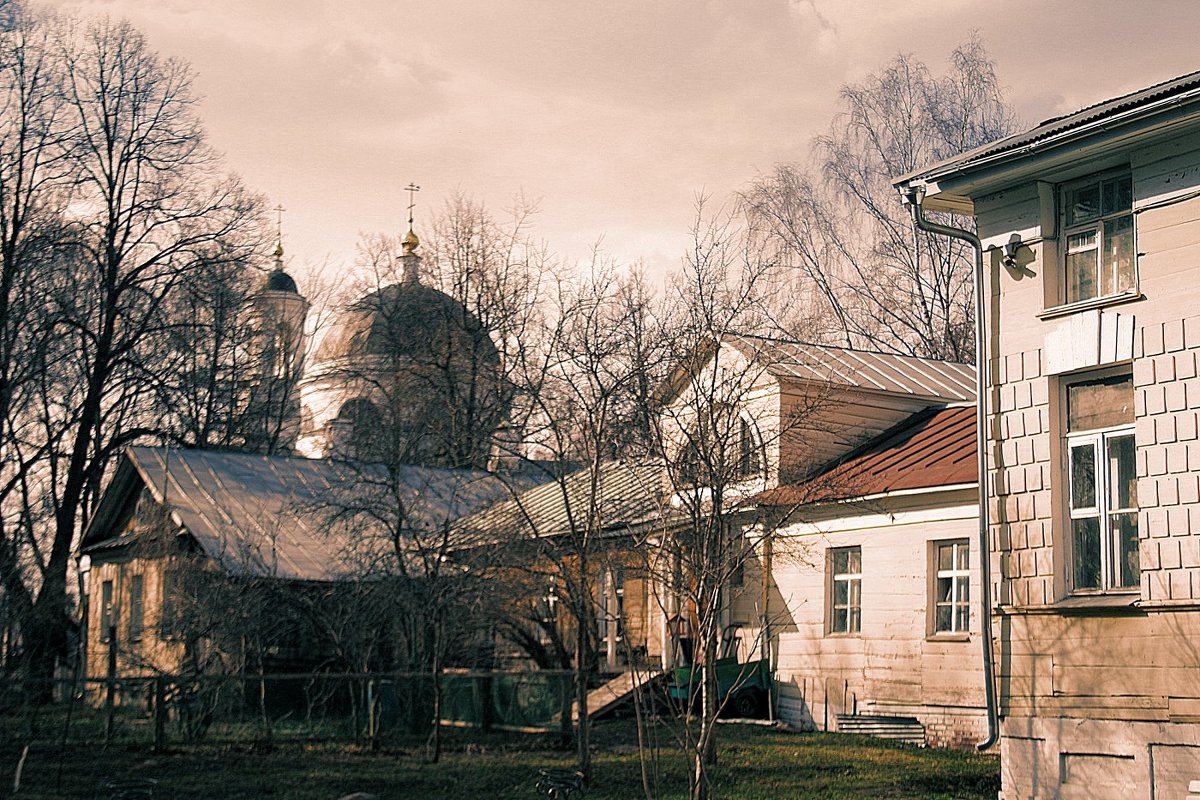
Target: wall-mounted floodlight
pixel 1011 247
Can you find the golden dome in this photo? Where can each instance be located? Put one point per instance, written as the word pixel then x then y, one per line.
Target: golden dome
pixel 410 242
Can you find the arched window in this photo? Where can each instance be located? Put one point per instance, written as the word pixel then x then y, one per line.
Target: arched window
pixel 749 450
pixel 362 425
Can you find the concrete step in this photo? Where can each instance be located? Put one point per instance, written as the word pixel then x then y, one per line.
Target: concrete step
pixel 900 729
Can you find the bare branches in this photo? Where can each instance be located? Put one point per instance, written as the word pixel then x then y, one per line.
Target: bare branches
pixel 883 284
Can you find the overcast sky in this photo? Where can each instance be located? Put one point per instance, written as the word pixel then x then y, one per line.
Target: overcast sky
pixel 613 116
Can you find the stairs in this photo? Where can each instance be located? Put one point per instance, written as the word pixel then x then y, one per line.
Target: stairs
pixel 899 729
pixel 606 697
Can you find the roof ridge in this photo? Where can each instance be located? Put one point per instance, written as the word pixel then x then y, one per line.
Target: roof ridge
pixel 858 350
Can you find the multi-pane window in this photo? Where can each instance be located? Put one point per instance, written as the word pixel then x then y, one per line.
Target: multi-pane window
pixel 749 457
pixel 1102 484
pixel 108 613
pixel 136 608
pixel 1098 238
pixel 846 590
pixel 612 606
pixel 951 588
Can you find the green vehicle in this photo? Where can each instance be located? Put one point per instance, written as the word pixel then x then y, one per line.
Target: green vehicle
pixel 743 687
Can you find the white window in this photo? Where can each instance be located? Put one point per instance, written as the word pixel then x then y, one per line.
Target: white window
pixel 1097 241
pixel 1102 484
pixel 845 590
pixel 951 587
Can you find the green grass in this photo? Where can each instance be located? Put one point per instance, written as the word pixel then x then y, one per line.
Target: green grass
pixel 756 763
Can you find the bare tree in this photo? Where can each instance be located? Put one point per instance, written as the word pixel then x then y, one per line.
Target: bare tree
pixel 143 206
pixel 876 280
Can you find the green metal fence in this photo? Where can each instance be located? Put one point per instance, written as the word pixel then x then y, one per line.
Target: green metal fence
pixel 163 711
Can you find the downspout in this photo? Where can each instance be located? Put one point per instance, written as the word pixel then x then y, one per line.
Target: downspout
pixel 912 195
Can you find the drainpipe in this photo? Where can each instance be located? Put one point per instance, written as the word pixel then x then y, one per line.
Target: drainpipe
pixel 912 195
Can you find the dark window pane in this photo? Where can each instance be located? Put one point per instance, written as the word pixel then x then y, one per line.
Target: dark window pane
pixel 1117 259
pixel 854 560
pixel 854 623
pixel 1102 403
pixel 840 559
pixel 840 620
pixel 944 618
pixel 963 557
pixel 1083 204
pixel 946 556
pixel 1125 546
pixel 963 621
pixel 1083 476
pixel 841 593
pixel 1085 547
pixel 1081 276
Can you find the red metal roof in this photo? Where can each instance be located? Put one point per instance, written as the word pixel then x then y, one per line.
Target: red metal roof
pixel 933 448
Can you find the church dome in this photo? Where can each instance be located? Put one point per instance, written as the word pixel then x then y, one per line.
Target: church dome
pixel 280 281
pixel 408 320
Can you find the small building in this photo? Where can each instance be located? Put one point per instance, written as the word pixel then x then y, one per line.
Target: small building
pixel 851 476
pixel 195 553
pixel 868 596
pixel 1090 229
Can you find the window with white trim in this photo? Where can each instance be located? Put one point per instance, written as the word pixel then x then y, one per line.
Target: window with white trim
pixel 1097 237
pixel 1102 485
pixel 951 587
pixel 845 590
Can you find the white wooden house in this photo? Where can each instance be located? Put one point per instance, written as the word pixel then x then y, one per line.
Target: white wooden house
pixel 870 591
pixel 1090 225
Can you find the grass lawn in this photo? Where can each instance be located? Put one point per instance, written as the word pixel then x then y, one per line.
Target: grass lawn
pixel 756 763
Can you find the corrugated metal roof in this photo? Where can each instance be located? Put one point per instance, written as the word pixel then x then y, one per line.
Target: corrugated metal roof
pixel 628 496
pixel 1059 125
pixel 275 516
pixel 884 372
pixel 933 448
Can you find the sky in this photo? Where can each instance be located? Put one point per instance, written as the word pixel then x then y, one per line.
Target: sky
pixel 611 117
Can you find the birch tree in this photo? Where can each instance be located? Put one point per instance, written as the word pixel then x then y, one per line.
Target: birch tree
pixel 872 279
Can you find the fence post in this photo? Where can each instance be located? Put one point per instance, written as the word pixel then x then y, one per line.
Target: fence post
pixel 160 715
pixel 486 688
pixel 372 717
pixel 111 681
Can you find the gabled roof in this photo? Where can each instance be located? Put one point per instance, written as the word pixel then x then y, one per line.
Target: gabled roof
pixel 271 515
pixel 629 496
pixel 1069 127
pixel 860 369
pixel 933 448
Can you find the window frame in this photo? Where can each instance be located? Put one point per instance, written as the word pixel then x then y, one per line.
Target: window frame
pixel 1101 509
pixel 137 607
pixel 957 576
pixel 853 605
pixel 1097 224
pixel 108 609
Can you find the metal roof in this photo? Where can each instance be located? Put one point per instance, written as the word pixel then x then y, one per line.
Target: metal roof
pixel 628 496
pixel 281 516
pixel 1056 126
pixel 933 448
pixel 883 372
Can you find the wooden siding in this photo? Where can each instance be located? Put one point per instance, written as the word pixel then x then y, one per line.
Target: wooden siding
pixel 894 666
pixel 1113 684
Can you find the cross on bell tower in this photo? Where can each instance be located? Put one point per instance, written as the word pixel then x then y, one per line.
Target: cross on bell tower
pixel 410 243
